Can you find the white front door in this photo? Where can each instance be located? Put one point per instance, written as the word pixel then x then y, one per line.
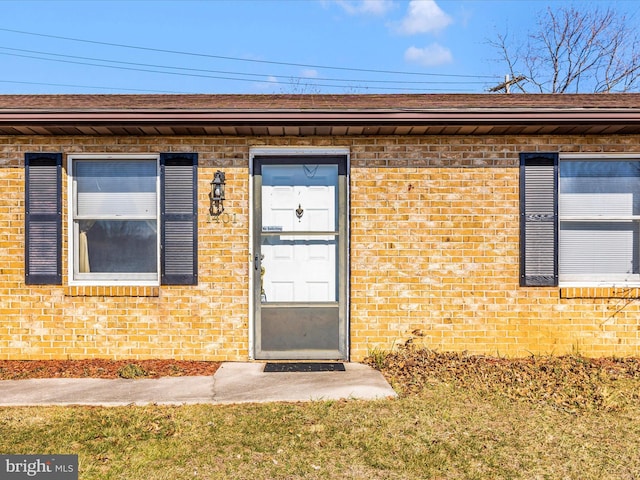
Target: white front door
pixel 299 198
pixel 298 301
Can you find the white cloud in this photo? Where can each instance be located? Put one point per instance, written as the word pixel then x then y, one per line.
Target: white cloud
pixel 269 83
pixel 429 56
pixel 309 73
pixel 366 7
pixel 423 16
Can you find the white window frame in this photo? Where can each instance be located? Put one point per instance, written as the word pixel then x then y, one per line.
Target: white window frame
pixel 72 234
pixel 568 281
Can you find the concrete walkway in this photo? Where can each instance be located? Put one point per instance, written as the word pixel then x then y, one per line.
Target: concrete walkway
pixel 232 383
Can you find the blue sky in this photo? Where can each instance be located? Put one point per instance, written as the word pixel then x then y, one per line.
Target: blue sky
pixel 260 46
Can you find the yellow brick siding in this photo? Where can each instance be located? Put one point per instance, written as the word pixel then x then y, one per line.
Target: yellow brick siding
pixel 434 246
pixel 435 251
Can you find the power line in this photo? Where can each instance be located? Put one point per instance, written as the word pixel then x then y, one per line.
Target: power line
pixel 237 59
pixel 260 75
pixel 93 87
pixel 216 77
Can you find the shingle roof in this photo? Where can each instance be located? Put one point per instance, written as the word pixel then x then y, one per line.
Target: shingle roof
pixel 319 114
pixel 311 102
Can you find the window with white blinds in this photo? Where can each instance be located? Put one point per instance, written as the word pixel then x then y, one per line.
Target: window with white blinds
pixel 115 203
pixel 599 217
pixel 116 188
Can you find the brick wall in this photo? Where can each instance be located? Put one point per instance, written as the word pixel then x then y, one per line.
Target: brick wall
pixel 434 257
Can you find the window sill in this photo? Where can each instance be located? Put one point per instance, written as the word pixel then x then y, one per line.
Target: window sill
pixel 106 291
pixel 599 292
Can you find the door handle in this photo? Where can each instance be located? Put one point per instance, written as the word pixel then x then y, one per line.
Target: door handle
pixel 256 262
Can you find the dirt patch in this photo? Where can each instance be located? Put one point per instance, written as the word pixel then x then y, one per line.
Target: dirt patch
pixel 102 368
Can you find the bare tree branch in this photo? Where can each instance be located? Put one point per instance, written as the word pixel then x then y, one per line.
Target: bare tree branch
pixel 572 51
pixel 500 44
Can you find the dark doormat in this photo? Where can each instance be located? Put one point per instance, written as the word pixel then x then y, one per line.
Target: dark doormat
pixel 304 367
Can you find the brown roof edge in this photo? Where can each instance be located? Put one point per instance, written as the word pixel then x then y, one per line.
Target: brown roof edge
pixel 320 116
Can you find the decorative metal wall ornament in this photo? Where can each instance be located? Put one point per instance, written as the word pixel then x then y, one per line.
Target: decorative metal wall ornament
pixel 299 212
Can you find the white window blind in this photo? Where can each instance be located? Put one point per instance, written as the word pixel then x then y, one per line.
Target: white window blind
pixel 116 188
pixel 599 251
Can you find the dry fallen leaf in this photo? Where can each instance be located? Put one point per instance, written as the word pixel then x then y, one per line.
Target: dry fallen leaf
pixel 568 382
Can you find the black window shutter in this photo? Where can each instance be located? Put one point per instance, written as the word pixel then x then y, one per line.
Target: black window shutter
pixel 179 216
pixel 538 219
pixel 43 215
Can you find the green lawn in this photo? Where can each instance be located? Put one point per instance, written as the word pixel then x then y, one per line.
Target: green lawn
pixel 444 432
